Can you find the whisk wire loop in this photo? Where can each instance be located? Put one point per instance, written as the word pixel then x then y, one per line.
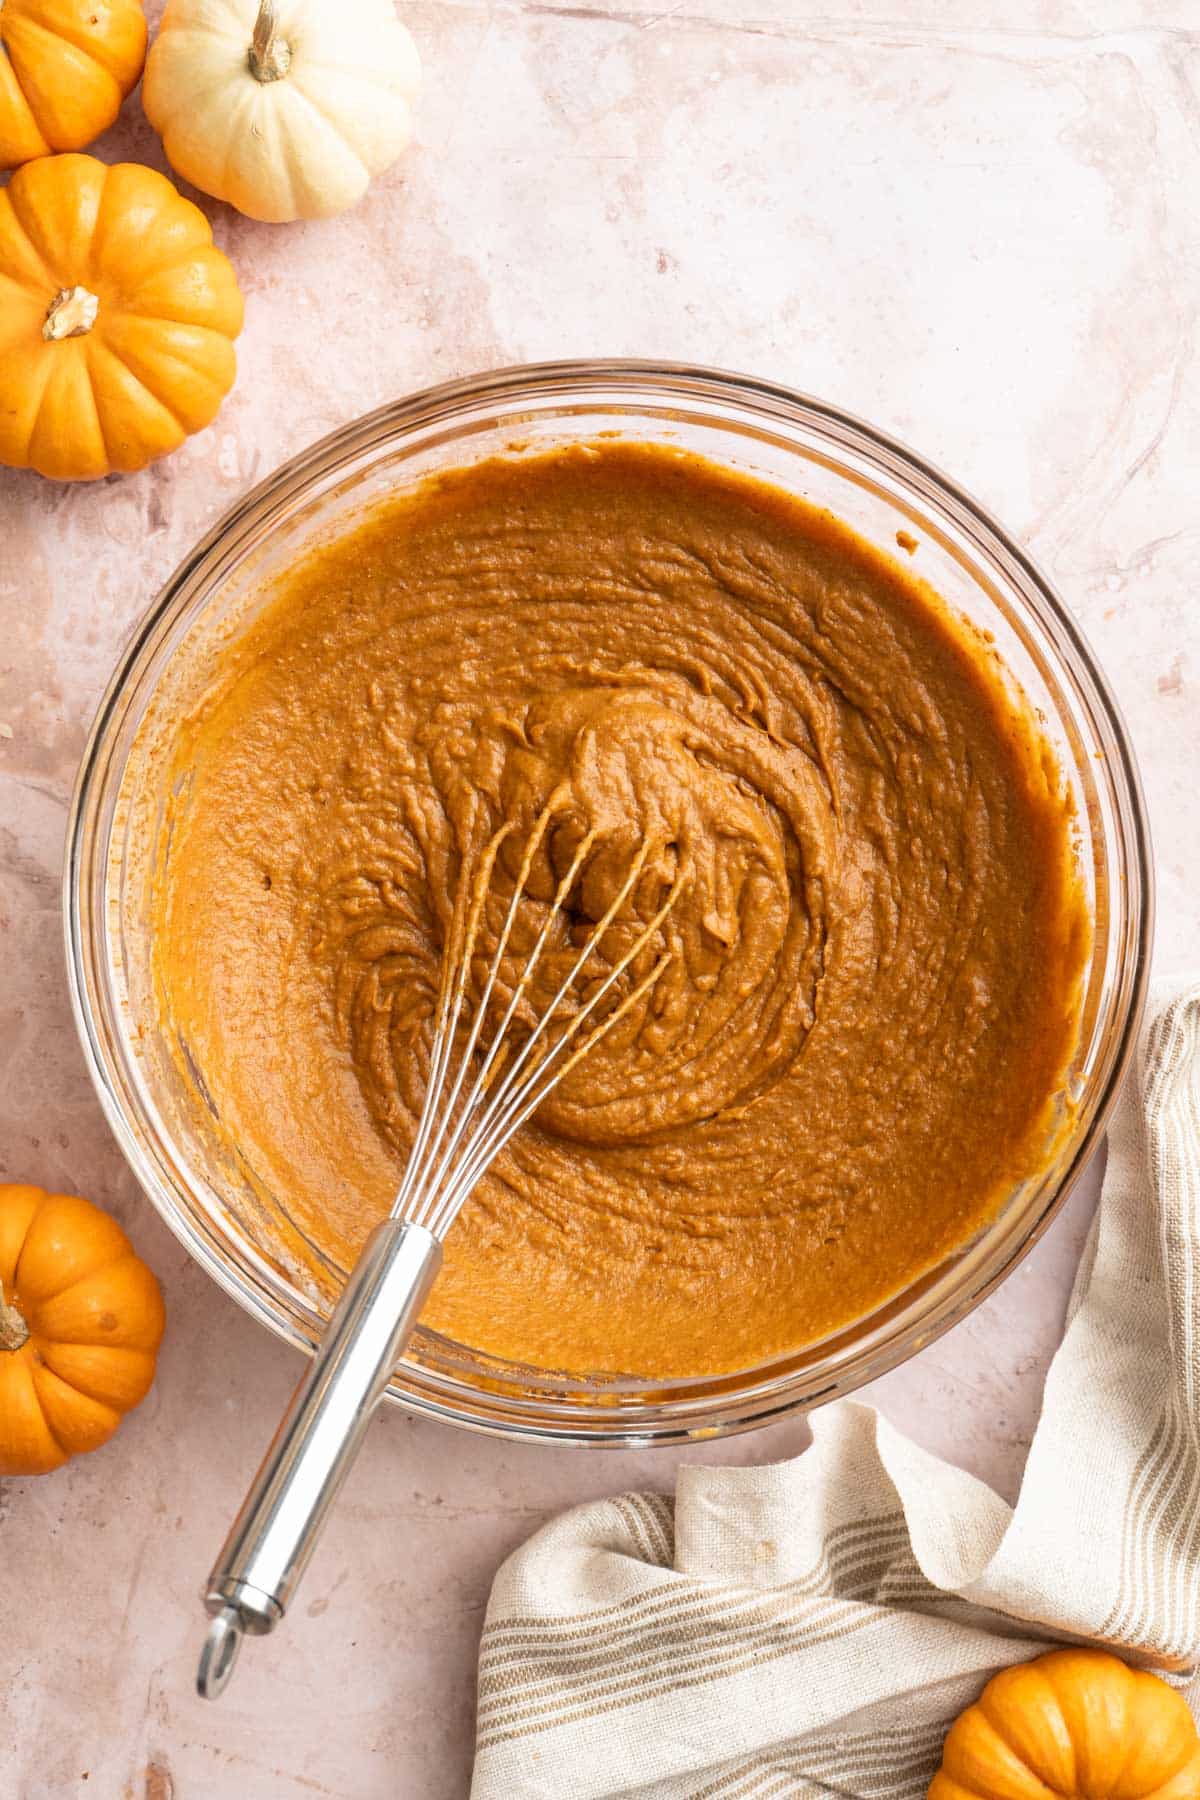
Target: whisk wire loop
pixel 455 1140
pixel 494 1134
pixel 505 1114
pixel 456 968
pixel 432 1175
pixel 451 987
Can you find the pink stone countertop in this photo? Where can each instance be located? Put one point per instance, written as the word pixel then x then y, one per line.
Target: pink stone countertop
pixel 984 239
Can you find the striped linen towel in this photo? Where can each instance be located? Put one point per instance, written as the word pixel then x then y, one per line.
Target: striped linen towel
pixel 812 1628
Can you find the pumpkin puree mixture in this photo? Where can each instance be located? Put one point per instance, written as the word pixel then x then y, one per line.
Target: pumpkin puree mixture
pixel 859 1043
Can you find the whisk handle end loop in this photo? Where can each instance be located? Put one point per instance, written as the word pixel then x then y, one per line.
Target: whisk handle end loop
pixel 276 1531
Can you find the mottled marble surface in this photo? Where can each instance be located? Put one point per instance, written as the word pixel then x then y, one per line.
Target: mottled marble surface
pixel 982 237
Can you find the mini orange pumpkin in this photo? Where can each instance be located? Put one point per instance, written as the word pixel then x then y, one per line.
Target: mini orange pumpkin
pixel 81 1318
pixel 117 318
pixel 1075 1723
pixel 68 67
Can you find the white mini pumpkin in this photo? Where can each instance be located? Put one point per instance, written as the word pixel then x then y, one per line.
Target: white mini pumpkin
pixel 284 108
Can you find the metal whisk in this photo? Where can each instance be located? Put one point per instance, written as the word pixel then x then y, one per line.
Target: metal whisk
pixel 475 1099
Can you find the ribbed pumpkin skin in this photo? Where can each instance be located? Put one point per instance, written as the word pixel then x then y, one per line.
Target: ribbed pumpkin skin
pixel 65 68
pixel 158 359
pixel 95 1319
pixel 304 145
pixel 1078 1724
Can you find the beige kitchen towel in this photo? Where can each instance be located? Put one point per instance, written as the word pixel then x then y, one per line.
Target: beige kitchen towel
pixel 812 1628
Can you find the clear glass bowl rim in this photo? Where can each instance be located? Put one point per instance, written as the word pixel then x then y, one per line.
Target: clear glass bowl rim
pixel 541 1418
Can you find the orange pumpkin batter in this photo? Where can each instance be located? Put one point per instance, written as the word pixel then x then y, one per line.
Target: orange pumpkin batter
pixel 859 1045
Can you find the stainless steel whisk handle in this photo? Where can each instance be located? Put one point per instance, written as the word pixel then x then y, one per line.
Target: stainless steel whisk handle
pixel 276 1531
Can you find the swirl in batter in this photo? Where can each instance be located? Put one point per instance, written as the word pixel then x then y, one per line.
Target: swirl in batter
pixel 857 1046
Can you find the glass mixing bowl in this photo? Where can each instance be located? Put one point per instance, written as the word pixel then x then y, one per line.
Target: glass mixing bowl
pixel 809 448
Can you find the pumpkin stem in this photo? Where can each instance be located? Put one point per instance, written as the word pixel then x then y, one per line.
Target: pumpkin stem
pixel 13 1330
pixel 270 56
pixel 71 313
